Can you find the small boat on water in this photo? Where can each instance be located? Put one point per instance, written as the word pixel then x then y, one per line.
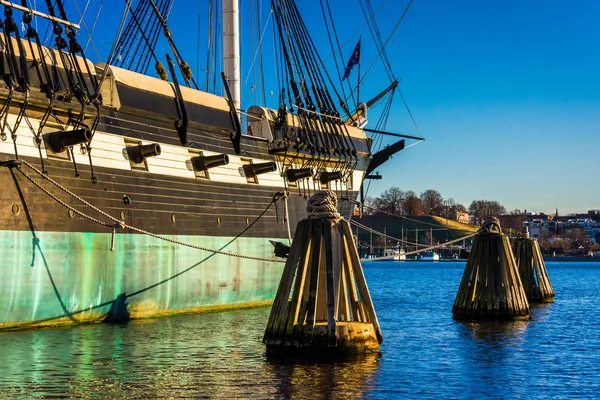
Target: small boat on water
pixel 430 256
pixel 396 254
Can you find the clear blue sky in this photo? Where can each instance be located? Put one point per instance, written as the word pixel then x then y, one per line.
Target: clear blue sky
pixel 506 93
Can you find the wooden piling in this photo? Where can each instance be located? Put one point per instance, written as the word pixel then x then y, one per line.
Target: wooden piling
pixel 491 288
pixel 323 303
pixel 532 270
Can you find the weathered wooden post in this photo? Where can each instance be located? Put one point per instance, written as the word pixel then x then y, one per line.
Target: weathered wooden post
pixel 490 288
pixel 323 303
pixel 532 270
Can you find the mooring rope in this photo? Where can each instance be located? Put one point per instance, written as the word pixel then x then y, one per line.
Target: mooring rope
pixel 120 224
pixel 366 228
pixel 357 203
pixel 490 225
pixel 410 253
pixel 322 204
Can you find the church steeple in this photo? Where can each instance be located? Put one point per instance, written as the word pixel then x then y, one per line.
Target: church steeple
pixel 556 215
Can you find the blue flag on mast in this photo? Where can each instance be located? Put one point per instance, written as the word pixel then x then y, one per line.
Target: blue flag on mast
pixel 354 59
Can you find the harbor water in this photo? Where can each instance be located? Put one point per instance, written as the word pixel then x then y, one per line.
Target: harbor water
pixel 426 354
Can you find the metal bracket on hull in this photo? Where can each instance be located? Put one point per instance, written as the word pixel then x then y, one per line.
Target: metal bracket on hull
pixel 10 163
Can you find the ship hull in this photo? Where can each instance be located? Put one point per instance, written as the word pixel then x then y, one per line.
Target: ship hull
pixel 73 277
pixel 58 267
pixel 65 258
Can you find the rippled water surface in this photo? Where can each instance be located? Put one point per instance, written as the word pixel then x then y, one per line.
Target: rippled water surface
pixel 425 354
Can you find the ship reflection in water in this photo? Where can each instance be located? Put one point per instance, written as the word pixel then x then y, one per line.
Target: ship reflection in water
pixel 425 354
pixel 216 355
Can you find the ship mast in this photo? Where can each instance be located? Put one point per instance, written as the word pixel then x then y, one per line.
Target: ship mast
pixel 231 49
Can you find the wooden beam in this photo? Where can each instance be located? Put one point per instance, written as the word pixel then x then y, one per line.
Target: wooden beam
pixel 392 134
pixel 39 14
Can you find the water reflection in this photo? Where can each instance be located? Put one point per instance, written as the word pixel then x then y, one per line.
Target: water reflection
pixel 496 333
pixel 309 378
pixel 426 353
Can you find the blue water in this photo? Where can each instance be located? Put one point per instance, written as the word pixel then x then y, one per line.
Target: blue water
pixel 426 354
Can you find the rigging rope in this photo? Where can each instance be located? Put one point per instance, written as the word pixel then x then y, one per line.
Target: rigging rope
pixel 111 55
pixel 379 54
pixel 370 18
pixel 91 32
pixel 258 47
pixel 337 68
pixel 82 22
pixel 410 113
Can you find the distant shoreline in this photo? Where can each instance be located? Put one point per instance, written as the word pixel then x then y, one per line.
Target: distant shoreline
pixel 546 259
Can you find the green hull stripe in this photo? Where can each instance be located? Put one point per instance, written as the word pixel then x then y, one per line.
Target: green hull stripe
pixel 77 271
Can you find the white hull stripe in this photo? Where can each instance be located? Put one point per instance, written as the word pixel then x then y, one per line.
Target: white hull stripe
pixel 108 150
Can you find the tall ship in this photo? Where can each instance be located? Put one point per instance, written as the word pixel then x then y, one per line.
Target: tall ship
pixel 128 192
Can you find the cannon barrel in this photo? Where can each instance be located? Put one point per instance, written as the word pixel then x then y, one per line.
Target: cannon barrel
pixel 262 168
pixel 60 140
pixel 203 163
pixel 293 175
pixel 137 154
pixel 327 177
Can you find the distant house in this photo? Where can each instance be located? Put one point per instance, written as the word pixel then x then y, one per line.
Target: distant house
pixel 462 216
pixel 541 222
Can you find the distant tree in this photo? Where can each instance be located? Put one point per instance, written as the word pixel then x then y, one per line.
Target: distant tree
pixel 412 204
pixel 516 211
pixel 560 245
pixel 373 206
pixel 495 208
pixel 392 200
pixel 453 208
pixel 480 209
pixel 433 202
pixel 459 208
pixel 476 209
pixel 545 245
pixel 576 236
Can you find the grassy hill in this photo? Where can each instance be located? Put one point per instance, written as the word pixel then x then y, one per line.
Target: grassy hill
pixel 442 229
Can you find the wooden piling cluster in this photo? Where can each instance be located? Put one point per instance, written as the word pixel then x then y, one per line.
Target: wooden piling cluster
pixel 532 270
pixel 491 288
pixel 323 303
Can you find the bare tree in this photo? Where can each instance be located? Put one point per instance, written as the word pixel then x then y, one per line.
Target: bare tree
pixel 392 200
pixel 374 206
pixel 577 236
pixel 480 209
pixel 433 202
pixel 454 208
